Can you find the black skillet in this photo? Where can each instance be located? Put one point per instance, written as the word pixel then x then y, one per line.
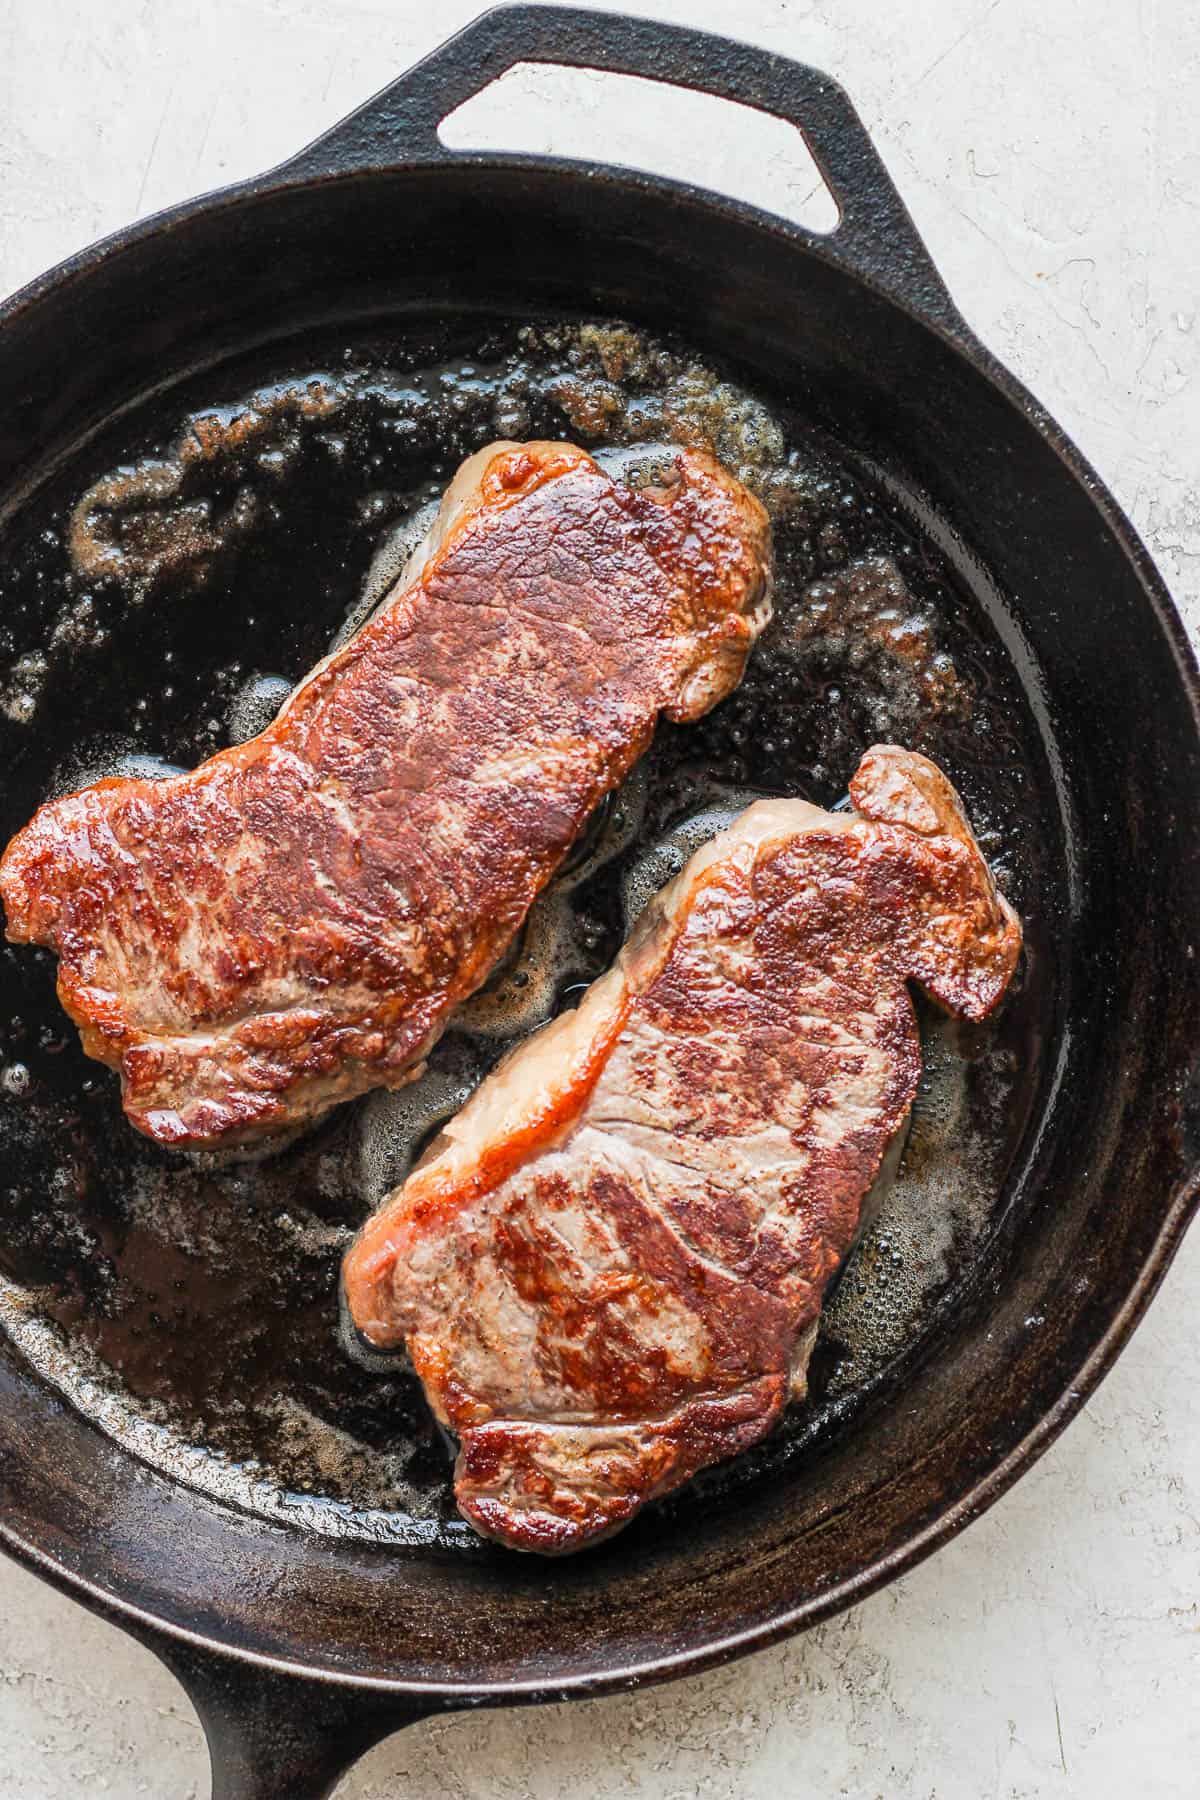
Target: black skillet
pixel 298 1650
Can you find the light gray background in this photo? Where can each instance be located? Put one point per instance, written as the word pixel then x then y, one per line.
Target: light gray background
pixel 1050 153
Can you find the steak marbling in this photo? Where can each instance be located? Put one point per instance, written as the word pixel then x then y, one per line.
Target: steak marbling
pixel 291 923
pixel 608 1270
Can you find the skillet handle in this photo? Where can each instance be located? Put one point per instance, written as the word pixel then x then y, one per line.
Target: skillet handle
pixel 875 238
pixel 275 1736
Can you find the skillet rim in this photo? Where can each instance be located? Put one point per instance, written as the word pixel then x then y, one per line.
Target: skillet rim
pixel 944 321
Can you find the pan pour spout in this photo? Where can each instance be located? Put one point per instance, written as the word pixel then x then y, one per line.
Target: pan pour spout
pixel 609 1268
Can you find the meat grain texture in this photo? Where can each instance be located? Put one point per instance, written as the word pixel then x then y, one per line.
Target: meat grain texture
pixel 292 923
pixel 609 1269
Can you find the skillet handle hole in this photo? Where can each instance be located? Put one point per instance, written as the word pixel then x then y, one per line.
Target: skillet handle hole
pixel 597 116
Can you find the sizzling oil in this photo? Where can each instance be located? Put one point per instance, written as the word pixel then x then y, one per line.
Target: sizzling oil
pixel 164 600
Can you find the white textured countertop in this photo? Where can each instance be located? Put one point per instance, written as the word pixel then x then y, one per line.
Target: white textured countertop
pixel 1050 153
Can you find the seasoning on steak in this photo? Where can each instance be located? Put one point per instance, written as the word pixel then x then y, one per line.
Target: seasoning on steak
pixel 291 923
pixel 608 1269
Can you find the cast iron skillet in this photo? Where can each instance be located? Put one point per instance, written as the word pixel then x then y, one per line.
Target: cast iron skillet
pixel 300 1651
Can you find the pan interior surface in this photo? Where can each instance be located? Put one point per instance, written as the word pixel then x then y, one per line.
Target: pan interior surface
pixel 199 567
pixel 945 581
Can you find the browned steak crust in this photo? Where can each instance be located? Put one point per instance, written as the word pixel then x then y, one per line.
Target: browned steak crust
pixel 291 923
pixel 608 1270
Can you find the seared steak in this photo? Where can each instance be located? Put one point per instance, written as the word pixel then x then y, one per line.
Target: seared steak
pixel 608 1269
pixel 291 923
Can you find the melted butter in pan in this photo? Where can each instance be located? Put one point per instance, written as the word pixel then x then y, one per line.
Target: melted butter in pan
pixel 167 597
